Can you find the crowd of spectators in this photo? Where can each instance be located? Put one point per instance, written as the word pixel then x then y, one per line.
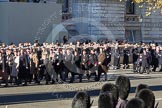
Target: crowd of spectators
pixel 116 96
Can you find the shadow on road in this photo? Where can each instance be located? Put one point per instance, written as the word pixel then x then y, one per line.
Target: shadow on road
pixel 51 96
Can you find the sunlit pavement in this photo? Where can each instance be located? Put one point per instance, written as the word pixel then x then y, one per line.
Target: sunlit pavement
pixel 60 95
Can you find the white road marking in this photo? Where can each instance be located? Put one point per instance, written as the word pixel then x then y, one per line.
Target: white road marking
pixel 94 107
pixel 159 99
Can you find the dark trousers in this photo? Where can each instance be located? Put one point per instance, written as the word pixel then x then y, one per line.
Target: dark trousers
pixel 99 74
pixel 23 75
pixel 93 74
pixel 73 77
pixel 100 71
pixel 61 73
pixel 4 76
pixel 38 76
pixel 134 66
pixel 66 74
pixel 12 78
pixel 47 77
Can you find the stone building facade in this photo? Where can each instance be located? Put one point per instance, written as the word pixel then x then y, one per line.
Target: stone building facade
pixel 113 19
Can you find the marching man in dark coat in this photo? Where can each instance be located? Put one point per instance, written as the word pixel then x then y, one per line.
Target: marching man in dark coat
pixel 76 67
pixel 145 61
pixel 116 59
pixel 135 57
pixel 5 68
pixel 160 59
pixel 24 67
pixel 56 66
pixel 92 64
pixel 126 57
pixel 84 63
pixel 155 57
pixel 68 63
pixel 108 55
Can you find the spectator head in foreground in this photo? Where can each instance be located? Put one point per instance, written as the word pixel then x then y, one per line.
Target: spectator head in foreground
pixel 105 100
pixel 81 100
pixel 123 84
pixel 135 103
pixel 148 97
pixel 112 88
pixel 141 87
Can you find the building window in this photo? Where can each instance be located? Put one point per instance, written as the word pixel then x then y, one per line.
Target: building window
pixel 130 7
pixel 65 6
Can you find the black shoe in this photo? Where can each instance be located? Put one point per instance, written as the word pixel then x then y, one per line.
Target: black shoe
pixel 17 84
pixel 153 70
pixel 88 77
pixel 24 84
pixel 6 85
pixel 148 71
pixel 95 79
pixel 53 82
pixel 71 81
pixel 37 82
pixel 29 82
pixel 80 80
pixel 47 83
pixel 141 72
pixel 134 71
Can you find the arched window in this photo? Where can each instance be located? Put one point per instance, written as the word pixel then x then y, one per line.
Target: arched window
pixel 130 7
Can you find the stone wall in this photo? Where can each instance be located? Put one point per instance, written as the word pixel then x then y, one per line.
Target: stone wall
pixel 151 26
pixel 105 18
pixel 23 22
